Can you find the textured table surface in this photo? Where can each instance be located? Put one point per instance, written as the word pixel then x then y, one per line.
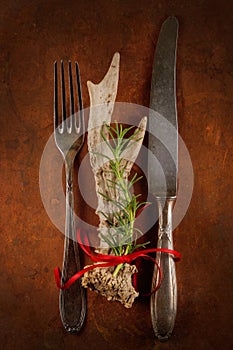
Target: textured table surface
pixel 33 35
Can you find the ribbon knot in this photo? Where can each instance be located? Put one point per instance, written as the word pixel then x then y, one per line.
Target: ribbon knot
pixel 126 259
pixel 112 260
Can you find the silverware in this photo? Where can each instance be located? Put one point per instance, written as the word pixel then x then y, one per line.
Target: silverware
pixel 163 178
pixel 69 139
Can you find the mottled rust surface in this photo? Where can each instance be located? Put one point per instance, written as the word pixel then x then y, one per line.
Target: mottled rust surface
pixel 33 35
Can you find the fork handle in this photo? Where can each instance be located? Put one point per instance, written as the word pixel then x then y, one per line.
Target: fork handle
pixel 164 300
pixel 73 299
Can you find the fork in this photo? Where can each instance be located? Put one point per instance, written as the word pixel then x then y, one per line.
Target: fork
pixel 69 138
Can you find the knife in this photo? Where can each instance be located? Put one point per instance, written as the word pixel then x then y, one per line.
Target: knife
pixel 162 180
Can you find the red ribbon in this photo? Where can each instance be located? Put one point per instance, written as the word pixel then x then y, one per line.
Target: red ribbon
pixel 112 260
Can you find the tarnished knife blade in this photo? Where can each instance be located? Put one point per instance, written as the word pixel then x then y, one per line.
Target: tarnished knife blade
pixel 164 122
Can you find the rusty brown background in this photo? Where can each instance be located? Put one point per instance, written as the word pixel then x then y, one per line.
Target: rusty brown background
pixel 33 35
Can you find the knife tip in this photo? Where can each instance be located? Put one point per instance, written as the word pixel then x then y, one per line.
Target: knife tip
pixel 173 19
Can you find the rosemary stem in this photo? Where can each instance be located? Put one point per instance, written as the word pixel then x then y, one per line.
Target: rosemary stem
pixel 122 220
pixel 117 269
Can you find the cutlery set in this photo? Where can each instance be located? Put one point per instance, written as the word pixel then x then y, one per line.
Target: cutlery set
pixel 162 180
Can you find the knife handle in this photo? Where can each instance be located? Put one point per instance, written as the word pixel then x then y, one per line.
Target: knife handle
pixel 164 300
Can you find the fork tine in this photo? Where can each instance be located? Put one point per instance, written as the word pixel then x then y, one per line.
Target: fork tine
pixel 63 94
pixel 79 92
pixel 55 97
pixel 72 117
pixel 71 89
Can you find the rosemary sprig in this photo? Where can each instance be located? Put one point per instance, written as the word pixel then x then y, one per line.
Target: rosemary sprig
pixel 121 232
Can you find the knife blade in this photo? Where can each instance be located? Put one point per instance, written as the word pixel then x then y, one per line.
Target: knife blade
pixel 162 180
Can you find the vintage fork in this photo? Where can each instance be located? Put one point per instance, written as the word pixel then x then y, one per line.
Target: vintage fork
pixel 69 139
